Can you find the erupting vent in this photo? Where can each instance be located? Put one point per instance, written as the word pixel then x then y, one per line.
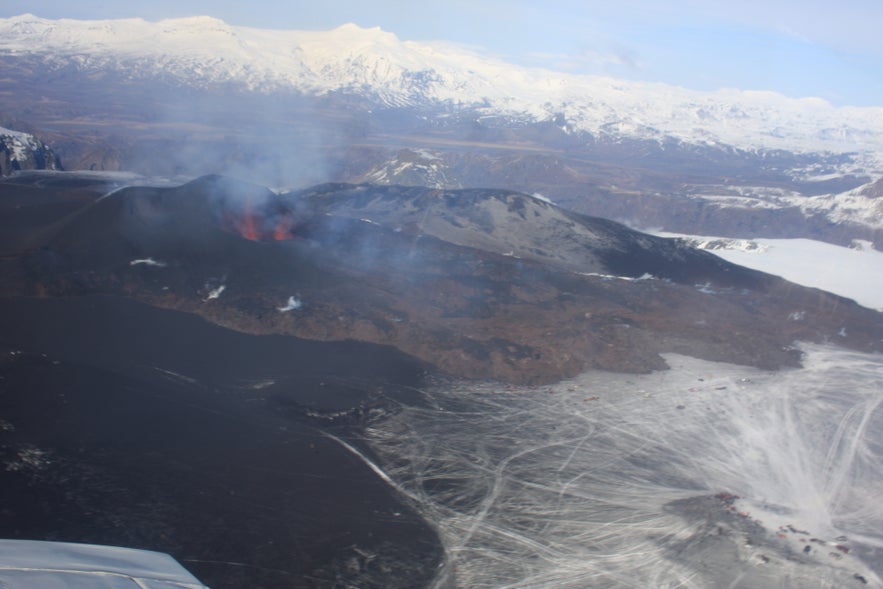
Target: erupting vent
pixel 260 219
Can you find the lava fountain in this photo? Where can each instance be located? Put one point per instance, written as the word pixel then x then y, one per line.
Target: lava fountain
pixel 258 218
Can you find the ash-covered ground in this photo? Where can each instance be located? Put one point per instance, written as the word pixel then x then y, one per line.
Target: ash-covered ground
pixel 707 475
pixel 126 425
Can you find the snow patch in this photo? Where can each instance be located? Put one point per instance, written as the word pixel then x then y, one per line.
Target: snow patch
pixel 542 198
pixel 214 293
pixel 148 262
pixel 644 276
pixel 293 304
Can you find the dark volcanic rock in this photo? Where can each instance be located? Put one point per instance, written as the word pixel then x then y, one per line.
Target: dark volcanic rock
pixel 478 283
pixel 129 425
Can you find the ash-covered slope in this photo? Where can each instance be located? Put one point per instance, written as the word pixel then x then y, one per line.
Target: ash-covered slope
pixel 477 283
pixel 523 227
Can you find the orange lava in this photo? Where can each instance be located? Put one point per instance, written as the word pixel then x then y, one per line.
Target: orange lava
pixel 248 226
pixel 283 229
pixel 254 223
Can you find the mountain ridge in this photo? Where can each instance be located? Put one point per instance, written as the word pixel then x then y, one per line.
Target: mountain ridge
pixel 407 73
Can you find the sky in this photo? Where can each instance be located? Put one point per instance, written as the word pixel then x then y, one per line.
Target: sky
pixel 800 48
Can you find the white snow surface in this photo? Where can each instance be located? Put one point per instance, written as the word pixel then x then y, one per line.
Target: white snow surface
pixel 542 197
pixel 849 207
pixel 215 293
pixel 855 273
pixel 293 304
pixel 21 136
pixel 20 144
pixel 205 51
pixel 147 262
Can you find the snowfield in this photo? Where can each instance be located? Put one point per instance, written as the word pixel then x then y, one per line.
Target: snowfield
pixel 855 273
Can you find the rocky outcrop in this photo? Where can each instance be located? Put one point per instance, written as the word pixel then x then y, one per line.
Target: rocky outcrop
pixel 23 151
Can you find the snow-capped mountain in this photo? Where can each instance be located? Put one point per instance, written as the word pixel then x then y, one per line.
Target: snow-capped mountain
pixel 187 97
pixel 205 51
pixel 23 151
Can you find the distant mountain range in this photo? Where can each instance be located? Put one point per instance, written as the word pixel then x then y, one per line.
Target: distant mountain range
pixel 206 52
pixel 192 96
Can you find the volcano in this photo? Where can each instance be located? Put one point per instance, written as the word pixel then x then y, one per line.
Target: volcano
pixel 475 283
